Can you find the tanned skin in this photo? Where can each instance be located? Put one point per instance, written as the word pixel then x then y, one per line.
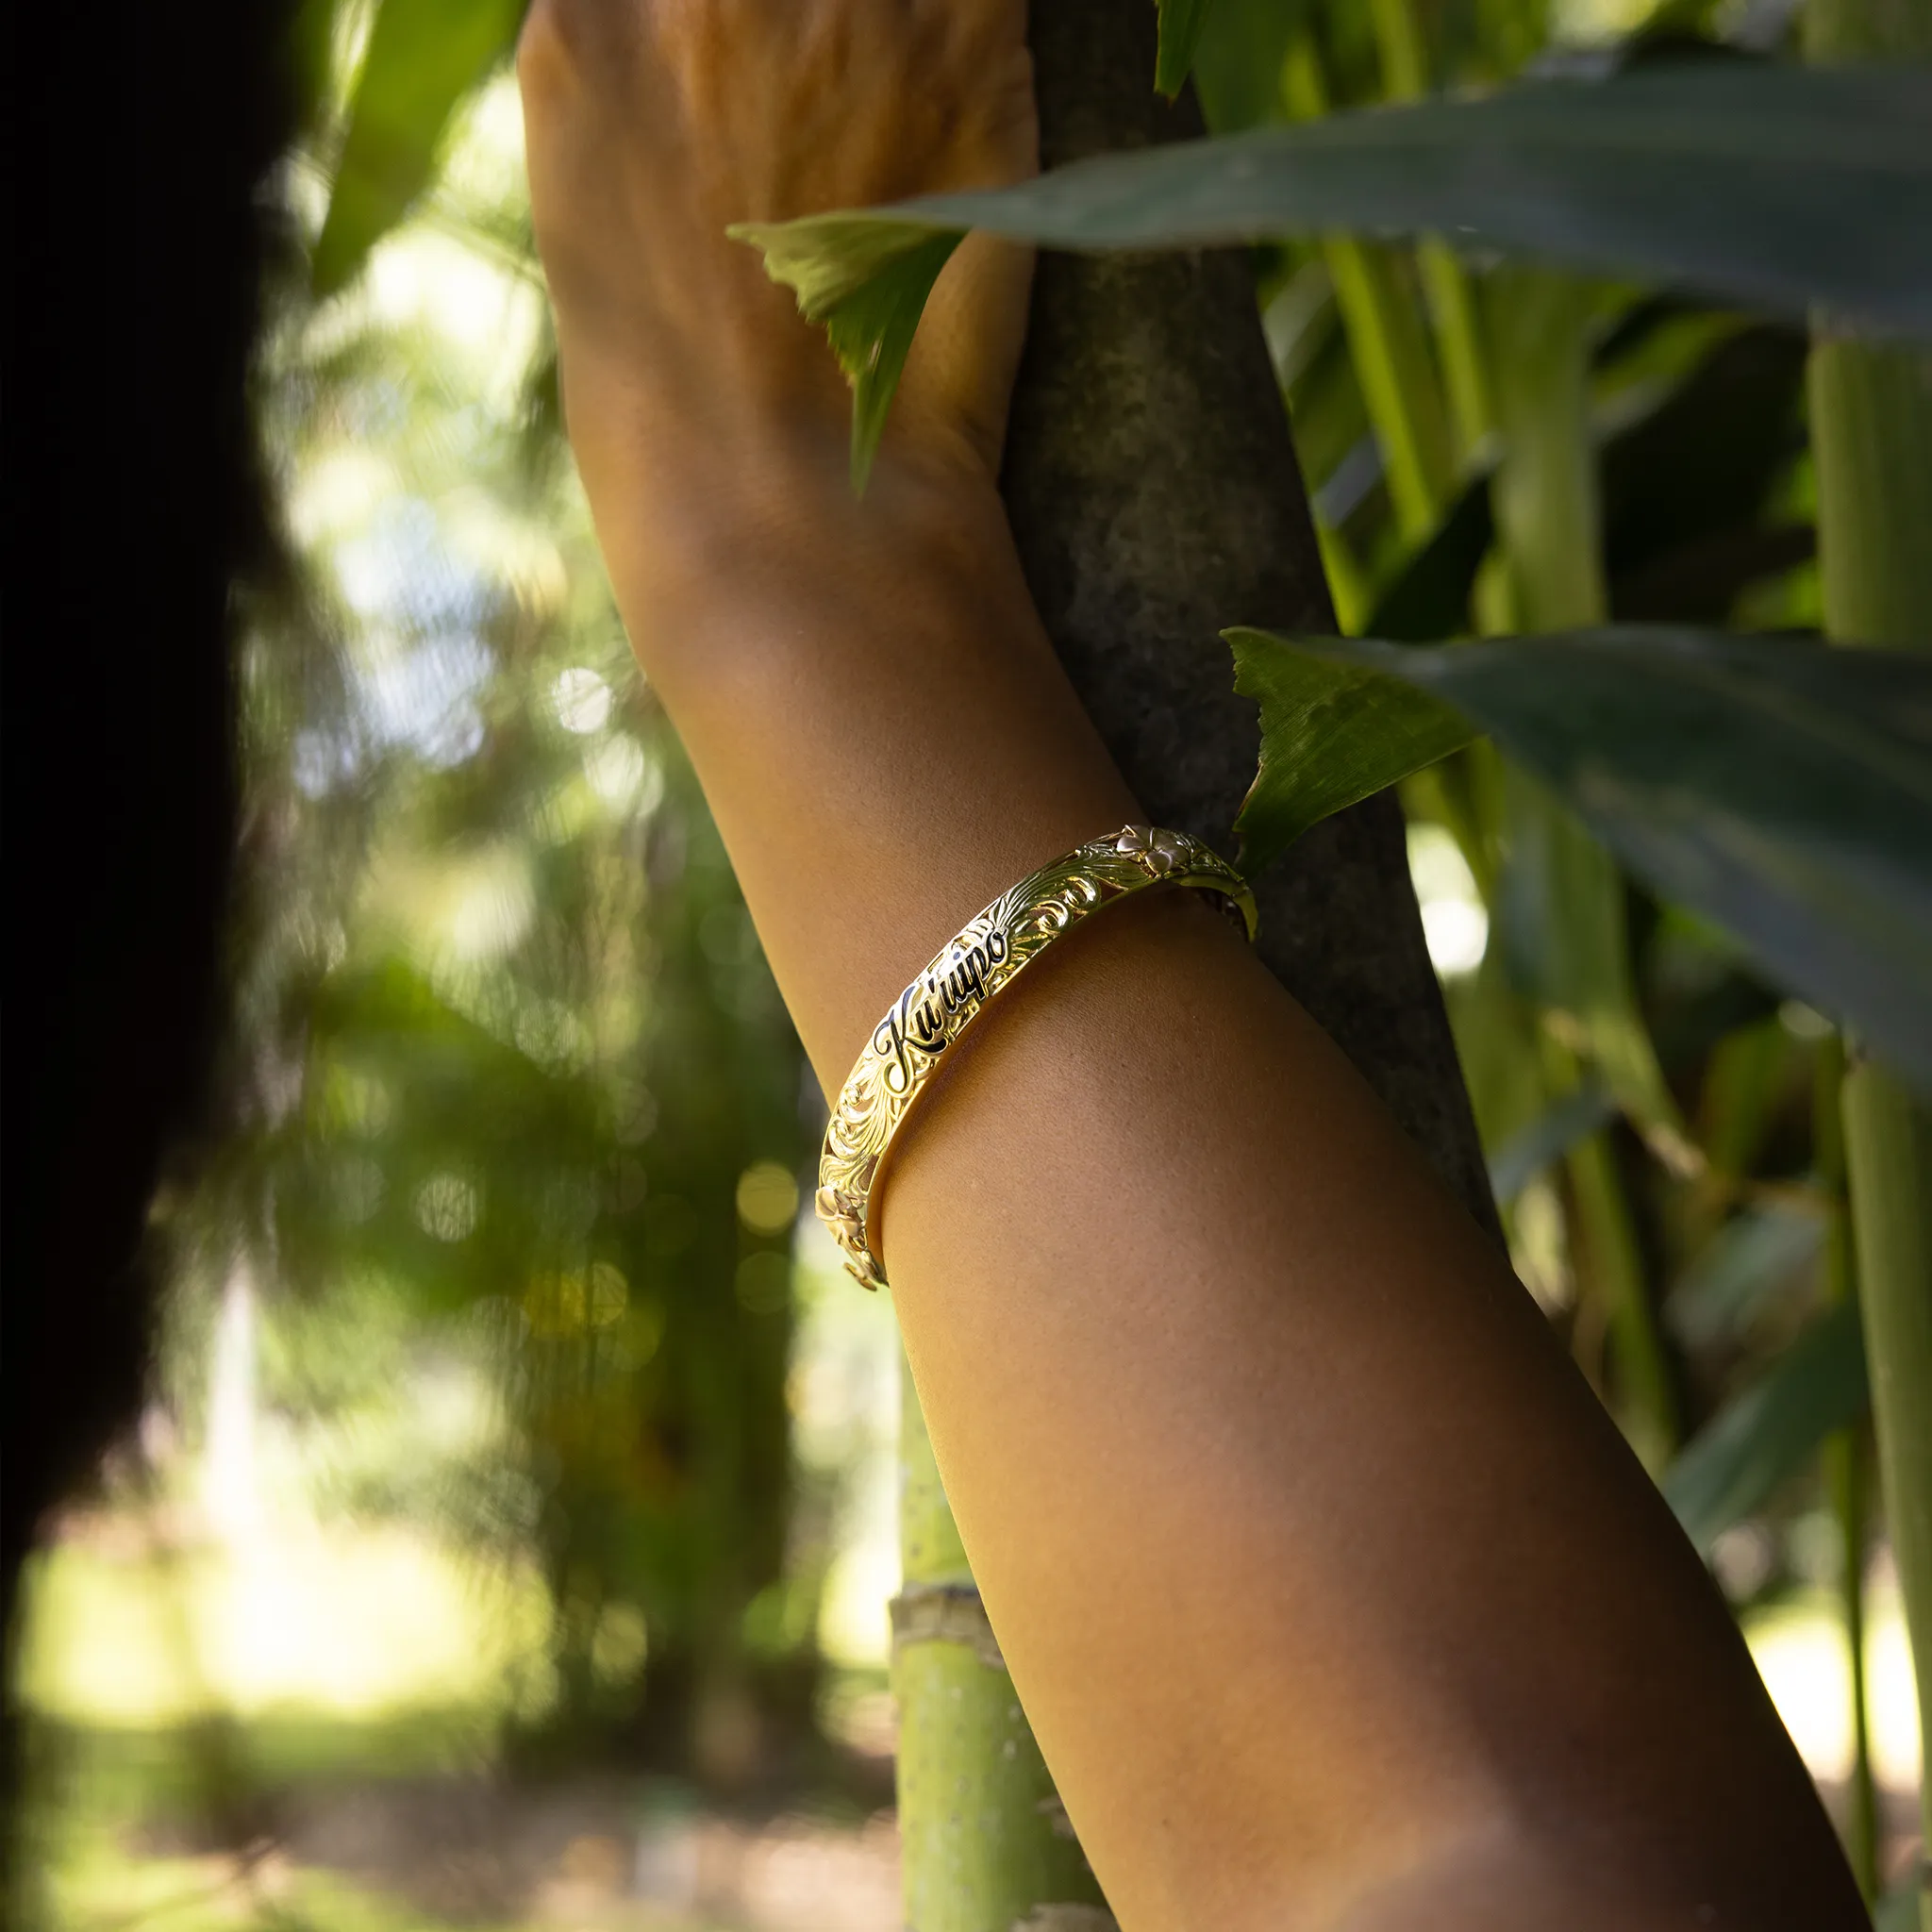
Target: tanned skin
pixel 1333 1597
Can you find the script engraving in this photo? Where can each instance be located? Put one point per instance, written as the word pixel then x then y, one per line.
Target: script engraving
pixel 934 1010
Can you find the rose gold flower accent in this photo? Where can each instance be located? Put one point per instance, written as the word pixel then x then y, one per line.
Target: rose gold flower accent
pixel 839 1210
pixel 1157 853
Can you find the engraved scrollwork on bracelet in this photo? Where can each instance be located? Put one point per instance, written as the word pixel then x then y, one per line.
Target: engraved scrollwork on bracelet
pixel 929 1017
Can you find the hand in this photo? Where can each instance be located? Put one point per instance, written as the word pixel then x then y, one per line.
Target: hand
pixel 692 385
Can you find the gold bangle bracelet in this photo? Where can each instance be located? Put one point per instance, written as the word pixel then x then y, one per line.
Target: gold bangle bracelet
pixel 985 957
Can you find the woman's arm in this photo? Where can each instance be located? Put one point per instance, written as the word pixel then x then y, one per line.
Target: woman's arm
pixel 1333 1597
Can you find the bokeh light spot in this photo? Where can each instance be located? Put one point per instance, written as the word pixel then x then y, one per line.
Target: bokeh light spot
pixel 582 699
pixel 767 1197
pixel 446 1207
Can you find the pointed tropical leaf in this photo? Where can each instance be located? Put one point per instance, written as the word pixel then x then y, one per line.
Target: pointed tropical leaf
pixel 424 55
pixel 1781 788
pixel 1780 187
pixel 866 282
pixel 1773 186
pixel 1772 1430
pixel 1181 22
pixel 1332 732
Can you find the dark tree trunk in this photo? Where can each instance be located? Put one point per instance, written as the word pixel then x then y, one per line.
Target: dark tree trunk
pixel 1155 493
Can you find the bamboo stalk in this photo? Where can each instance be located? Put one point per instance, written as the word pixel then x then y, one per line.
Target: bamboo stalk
pixel 1845 1484
pixel 1545 491
pixel 1845 1477
pixel 984 1842
pixel 1872 442
pixel 1889 1157
pixel 1385 340
pixel 1453 307
pixel 1446 282
pixel 1561 885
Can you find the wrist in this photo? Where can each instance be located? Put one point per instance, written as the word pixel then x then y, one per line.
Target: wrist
pixel 754 540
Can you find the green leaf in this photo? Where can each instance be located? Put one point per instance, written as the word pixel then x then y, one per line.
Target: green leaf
pixel 1773 186
pixel 1778 788
pixel 1332 732
pixel 866 281
pixel 1565 1124
pixel 1772 1430
pixel 1749 1259
pixel 424 55
pixel 1181 22
pixel 1781 187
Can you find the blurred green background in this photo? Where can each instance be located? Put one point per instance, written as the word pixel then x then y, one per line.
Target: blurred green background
pixel 508 1536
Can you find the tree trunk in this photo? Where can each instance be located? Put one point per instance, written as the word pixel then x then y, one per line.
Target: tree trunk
pixel 1156 497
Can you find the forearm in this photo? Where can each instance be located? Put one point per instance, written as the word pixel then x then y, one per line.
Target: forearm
pixel 1290 1517
pixel 1324 1576
pixel 881 727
